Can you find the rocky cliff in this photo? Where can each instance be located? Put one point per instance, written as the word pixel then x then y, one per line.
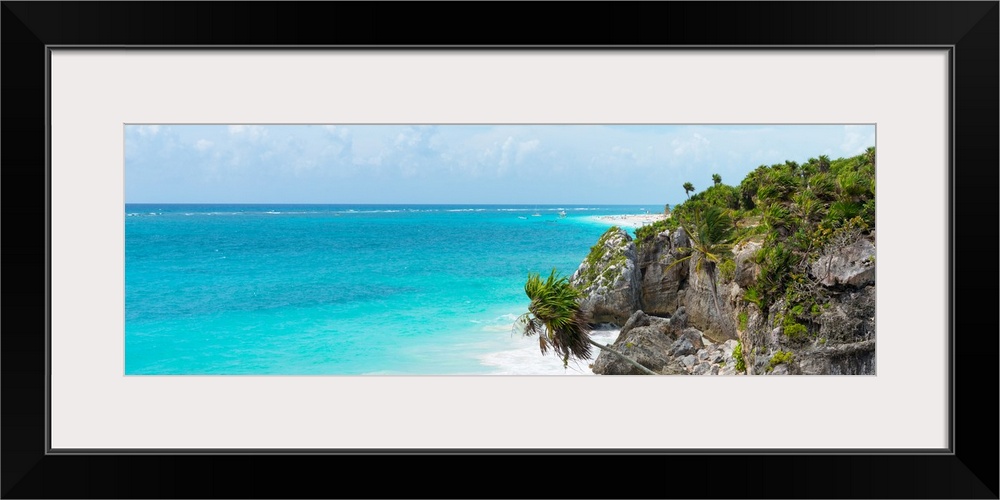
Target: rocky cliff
pixel 609 279
pixel 681 318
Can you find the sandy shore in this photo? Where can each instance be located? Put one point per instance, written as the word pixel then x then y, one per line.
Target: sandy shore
pixel 637 220
pixel 526 359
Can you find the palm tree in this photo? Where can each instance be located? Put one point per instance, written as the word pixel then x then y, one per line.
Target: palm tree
pixel 711 234
pixel 688 187
pixel 870 155
pixel 555 316
pixel 824 163
pixel 716 179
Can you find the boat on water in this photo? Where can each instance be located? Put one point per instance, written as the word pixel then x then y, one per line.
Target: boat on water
pixel 536 214
pixel 562 214
pixel 522 217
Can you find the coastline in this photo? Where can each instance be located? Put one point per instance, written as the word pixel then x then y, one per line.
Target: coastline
pixel 631 221
pixel 527 360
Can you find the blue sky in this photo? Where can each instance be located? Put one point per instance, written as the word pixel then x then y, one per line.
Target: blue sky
pixel 461 164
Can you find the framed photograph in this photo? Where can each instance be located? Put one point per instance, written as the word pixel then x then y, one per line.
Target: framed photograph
pixel 250 249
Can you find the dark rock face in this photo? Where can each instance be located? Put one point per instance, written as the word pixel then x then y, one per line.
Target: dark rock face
pixel 850 318
pixel 645 339
pixel 707 307
pixel 661 280
pixel 843 345
pixel 855 358
pixel 666 346
pixel 689 342
pixel 828 329
pixel 609 279
pixel 679 320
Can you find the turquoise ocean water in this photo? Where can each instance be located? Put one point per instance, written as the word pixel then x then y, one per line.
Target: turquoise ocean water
pixel 342 290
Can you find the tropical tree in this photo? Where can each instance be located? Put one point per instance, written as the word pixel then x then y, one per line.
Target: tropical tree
pixel 688 188
pixel 716 179
pixel 870 156
pixel 555 316
pixel 711 233
pixel 824 163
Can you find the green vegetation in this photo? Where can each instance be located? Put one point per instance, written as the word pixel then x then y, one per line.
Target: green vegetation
pixel 738 356
pixel 727 269
pixel 594 258
pixel 555 316
pixel 779 358
pixel 793 210
pixel 710 230
pixel 646 233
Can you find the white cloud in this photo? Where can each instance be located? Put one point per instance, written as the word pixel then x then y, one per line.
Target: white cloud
pixel 857 138
pixel 524 149
pixel 693 145
pixel 203 144
pixel 145 130
pixel 252 132
pixel 343 133
pixel 626 152
pixel 505 152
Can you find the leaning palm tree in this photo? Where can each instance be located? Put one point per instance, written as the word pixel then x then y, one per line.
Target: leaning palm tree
pixel 711 233
pixel 556 317
pixel 716 179
pixel 688 187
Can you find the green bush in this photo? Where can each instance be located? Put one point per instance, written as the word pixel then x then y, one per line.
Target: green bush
pixel 774 261
pixel 738 356
pixel 842 211
pixel 648 232
pixel 727 269
pixel 779 358
pixel 795 330
pixel 823 186
pixel 776 216
pixel 868 212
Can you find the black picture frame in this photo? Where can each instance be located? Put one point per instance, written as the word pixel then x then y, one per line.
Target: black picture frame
pixel 968 470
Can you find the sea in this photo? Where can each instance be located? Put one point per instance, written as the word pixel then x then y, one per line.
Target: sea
pixel 346 289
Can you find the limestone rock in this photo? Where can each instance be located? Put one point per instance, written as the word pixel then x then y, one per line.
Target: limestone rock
pixel 781 369
pixel 706 305
pixel 688 342
pixel 855 358
pixel 849 318
pixel 661 279
pixel 746 269
pixel 850 265
pixel 689 360
pixel 609 279
pixel 645 339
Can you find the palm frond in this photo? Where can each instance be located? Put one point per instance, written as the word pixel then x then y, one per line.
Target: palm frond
pixel 555 316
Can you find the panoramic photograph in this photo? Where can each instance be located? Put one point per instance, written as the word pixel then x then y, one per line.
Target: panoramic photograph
pixel 506 249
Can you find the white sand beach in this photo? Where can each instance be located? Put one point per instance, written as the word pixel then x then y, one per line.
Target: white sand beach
pixel 527 359
pixel 637 220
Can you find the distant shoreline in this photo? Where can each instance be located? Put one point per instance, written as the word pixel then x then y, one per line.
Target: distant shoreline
pixel 637 220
